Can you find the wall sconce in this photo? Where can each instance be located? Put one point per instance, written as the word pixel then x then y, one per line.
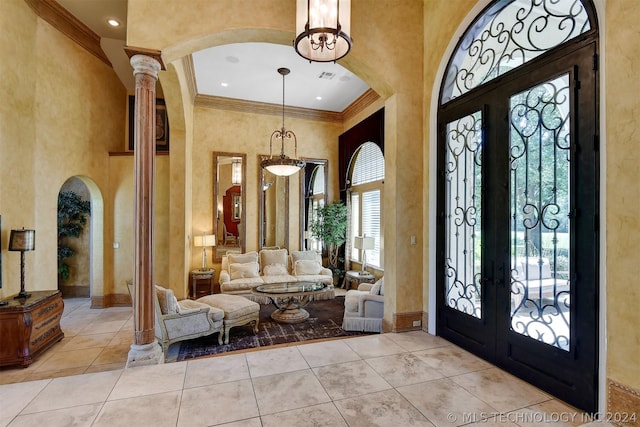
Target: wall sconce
pixel 22 241
pixel 364 244
pixel 205 241
pixel 323 29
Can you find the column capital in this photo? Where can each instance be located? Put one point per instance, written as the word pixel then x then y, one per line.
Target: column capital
pixel 143 64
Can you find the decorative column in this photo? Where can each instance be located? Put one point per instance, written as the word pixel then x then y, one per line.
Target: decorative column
pixel 145 349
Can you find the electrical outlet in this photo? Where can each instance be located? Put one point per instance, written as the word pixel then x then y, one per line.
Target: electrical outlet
pixel 116 245
pixel 413 242
pixel 416 323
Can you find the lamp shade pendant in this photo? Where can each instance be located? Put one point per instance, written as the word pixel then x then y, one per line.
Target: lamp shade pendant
pixel 323 28
pixel 282 165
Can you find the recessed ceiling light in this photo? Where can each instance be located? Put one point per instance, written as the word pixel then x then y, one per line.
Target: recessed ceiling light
pixel 224 84
pixel 319 98
pixel 113 22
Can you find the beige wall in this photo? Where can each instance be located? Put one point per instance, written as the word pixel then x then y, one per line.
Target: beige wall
pixel 622 188
pixel 62 111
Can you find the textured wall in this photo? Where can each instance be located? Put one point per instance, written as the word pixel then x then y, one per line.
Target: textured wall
pixel 62 111
pixel 622 56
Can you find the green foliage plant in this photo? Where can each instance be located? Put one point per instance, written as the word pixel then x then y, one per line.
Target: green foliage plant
pixel 331 227
pixel 72 218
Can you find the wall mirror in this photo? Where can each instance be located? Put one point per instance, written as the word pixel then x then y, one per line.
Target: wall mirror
pixel 313 196
pixel 273 194
pixel 229 198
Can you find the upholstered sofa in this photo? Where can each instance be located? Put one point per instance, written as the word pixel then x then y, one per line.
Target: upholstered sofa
pixel 364 308
pixel 240 273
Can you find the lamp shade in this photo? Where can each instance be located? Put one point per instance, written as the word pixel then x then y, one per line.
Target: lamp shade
pixel 364 243
pixel 323 28
pixel 204 241
pixel 22 240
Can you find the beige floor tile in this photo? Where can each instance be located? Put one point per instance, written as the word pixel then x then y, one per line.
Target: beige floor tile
pixel 325 414
pixel 107 367
pixel 291 390
pixel 452 360
pixel 145 380
pixel 71 391
pixel 275 361
pixel 113 354
pixel 416 340
pixel 385 408
pixel 86 341
pixel 158 410
pixel 123 337
pixel 15 397
pixel 59 373
pixel 350 379
pixel 217 404
pixel 502 391
pixel 403 369
pixel 549 413
pixel 97 327
pixel 216 370
pixel 77 416
pixel 69 359
pixel 445 403
pixel 327 353
pixel 251 422
pixel 373 346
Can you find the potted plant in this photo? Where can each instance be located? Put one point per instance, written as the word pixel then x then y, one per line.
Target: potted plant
pixel 330 226
pixel 72 217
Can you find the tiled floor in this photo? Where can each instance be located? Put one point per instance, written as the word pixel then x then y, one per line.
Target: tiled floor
pixel 408 379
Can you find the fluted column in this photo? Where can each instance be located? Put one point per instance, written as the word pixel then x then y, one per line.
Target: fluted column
pixel 145 349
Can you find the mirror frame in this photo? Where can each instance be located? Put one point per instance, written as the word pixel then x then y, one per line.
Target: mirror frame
pixel 304 190
pixel 261 202
pixel 243 199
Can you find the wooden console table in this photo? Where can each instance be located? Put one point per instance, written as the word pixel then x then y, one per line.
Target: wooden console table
pixel 202 275
pixel 30 326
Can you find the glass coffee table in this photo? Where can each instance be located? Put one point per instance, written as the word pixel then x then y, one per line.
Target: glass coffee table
pixel 290 298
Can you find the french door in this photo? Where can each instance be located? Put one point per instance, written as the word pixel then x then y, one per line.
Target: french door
pixel 517 252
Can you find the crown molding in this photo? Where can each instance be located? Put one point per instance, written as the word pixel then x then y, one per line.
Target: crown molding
pixel 69 25
pixel 243 106
pixel 362 102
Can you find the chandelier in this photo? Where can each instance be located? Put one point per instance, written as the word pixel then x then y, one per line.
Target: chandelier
pixel 282 165
pixel 323 29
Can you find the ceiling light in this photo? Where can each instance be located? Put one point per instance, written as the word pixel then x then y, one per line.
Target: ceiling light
pixel 323 29
pixel 113 22
pixel 319 98
pixel 223 84
pixel 283 165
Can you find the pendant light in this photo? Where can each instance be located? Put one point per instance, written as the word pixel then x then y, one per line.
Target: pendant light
pixel 323 29
pixel 282 165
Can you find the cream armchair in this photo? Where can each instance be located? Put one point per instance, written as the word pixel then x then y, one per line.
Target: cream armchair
pixel 182 320
pixel 364 308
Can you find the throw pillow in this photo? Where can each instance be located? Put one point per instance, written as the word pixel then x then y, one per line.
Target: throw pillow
pixel 273 256
pixel 275 270
pixel 377 288
pixel 243 270
pixel 242 258
pixel 305 266
pixel 167 300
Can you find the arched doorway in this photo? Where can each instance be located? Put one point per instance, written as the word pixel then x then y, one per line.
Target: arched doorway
pixel 517 247
pixel 84 276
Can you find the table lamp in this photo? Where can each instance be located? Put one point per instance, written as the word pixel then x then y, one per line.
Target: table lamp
pixel 364 243
pixel 23 241
pixel 204 241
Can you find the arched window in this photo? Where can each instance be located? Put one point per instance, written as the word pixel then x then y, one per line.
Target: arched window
pixel 365 201
pixel 316 202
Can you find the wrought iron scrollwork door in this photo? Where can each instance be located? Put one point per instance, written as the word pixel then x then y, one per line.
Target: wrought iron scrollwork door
pixel 517 252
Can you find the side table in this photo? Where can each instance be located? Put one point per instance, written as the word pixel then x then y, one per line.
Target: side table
pixel 353 277
pixel 201 275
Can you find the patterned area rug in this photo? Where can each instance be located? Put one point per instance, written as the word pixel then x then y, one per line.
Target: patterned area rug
pixel 325 321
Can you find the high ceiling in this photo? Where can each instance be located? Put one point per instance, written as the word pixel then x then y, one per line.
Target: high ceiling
pixel 246 71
